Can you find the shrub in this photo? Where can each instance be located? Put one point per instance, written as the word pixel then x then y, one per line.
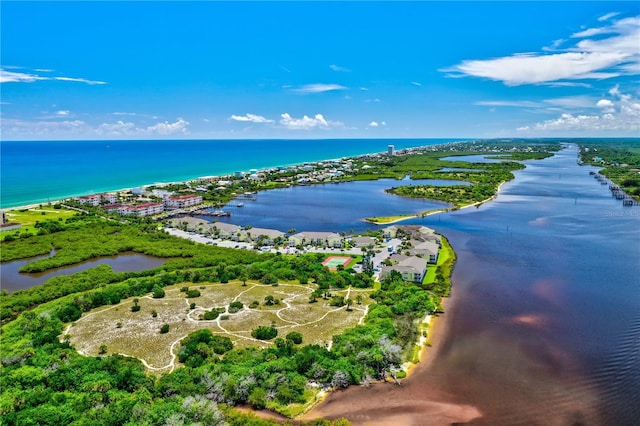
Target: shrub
pixel 135 308
pixel 235 307
pixel 193 293
pixel 264 332
pixel 164 329
pixel 254 304
pixel 211 315
pixel 294 337
pixel 158 292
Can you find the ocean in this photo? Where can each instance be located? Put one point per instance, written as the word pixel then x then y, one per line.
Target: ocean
pixel 37 172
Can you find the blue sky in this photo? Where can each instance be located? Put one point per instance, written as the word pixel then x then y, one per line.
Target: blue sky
pixel 145 70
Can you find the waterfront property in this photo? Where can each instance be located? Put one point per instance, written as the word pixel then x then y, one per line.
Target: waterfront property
pixel 141 210
pixel 320 239
pixel 425 249
pixel 97 199
pixel 182 201
pixel 412 268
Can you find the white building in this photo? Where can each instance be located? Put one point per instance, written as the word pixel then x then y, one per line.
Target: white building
pixel 182 201
pixel 147 209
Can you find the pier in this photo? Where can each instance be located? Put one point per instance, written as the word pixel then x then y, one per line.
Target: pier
pixel 616 191
pixel 215 213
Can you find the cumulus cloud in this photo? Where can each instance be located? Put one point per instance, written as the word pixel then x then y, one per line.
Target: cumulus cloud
pixel 338 68
pixel 166 128
pixel 62 113
pixel 307 123
pixel 376 124
pixel 119 128
pixel 619 114
pixel 319 88
pixel 253 118
pixel 25 77
pixel 612 53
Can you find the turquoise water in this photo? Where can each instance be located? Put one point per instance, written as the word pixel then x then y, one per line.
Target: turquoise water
pixel 35 172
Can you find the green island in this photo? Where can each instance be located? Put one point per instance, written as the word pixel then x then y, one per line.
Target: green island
pixel 216 328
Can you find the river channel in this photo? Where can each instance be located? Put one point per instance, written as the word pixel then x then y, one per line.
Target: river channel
pixel 543 326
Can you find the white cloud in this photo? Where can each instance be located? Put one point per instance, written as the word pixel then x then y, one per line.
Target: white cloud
pixel 24 77
pixel 79 80
pixel 253 118
pixel 122 128
pixel 620 114
pixel 307 123
pixel 415 83
pixel 569 102
pixel 119 128
pixel 166 128
pixel 319 88
pixel 373 124
pixel 78 128
pixel 62 113
pixel 45 128
pixel 608 16
pixel 364 88
pixel 591 58
pixel 606 105
pixel 517 104
pixel 338 68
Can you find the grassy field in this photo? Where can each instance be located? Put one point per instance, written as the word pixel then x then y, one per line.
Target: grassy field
pixel 138 334
pixel 28 217
pixel 445 253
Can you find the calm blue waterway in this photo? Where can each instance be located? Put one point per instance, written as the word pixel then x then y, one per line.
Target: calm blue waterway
pixel 34 172
pixel 330 207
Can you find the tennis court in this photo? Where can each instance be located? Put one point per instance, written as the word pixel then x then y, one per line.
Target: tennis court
pixel 332 262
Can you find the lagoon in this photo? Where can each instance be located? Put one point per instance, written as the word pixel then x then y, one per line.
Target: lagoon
pixel 331 207
pixel 12 280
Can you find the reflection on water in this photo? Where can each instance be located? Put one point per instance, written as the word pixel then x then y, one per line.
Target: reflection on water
pixel 543 327
pixel 12 280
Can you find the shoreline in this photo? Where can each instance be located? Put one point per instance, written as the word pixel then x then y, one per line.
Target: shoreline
pixel 433 212
pixel 421 145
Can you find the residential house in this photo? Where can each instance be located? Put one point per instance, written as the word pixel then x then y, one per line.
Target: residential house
pixel 321 239
pixel 225 231
pixel 189 223
pixel 97 199
pixel 412 268
pixel 162 193
pixel 146 209
pixel 266 236
pixel 182 201
pixel 363 241
pixel 425 249
pixel 390 231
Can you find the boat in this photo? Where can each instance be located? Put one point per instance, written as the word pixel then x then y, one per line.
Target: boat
pixel 240 204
